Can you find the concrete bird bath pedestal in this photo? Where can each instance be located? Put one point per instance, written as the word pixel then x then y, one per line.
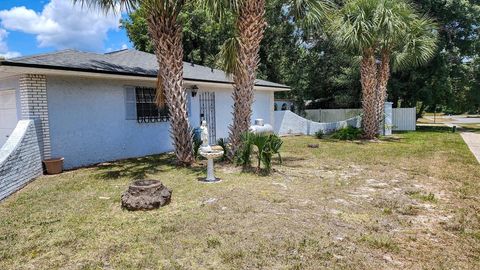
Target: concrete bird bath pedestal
pixel 210 155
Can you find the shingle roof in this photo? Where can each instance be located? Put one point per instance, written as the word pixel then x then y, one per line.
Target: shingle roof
pixel 127 62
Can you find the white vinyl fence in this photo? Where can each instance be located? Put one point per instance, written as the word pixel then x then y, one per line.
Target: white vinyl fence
pixel 289 123
pixel 331 115
pixel 403 119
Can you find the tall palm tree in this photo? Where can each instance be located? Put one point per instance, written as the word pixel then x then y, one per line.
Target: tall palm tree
pixel 240 54
pixel 165 29
pixel 384 33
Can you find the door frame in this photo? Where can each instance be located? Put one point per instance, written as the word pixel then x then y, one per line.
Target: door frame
pixel 208 113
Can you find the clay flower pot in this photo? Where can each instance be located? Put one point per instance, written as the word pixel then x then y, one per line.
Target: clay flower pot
pixel 54 165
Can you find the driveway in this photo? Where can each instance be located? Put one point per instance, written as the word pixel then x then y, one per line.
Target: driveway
pixel 473 142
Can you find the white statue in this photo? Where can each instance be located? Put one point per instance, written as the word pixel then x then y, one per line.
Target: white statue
pixel 204 137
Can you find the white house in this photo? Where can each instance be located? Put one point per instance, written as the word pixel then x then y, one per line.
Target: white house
pixel 93 107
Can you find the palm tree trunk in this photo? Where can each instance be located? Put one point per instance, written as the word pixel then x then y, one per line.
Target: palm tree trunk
pixel 251 25
pixel 382 82
pixel 166 34
pixel 369 84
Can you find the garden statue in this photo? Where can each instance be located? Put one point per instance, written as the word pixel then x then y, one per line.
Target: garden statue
pixel 207 152
pixel 204 137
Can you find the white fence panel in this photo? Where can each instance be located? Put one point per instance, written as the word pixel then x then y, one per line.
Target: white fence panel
pixel 331 115
pixel 404 119
pixel 289 123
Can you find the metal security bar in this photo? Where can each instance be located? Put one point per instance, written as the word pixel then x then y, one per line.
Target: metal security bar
pixel 147 109
pixel 207 113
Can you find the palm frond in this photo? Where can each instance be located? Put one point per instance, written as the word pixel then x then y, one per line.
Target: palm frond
pixel 312 12
pixel 420 44
pixel 219 8
pixel 227 57
pixel 110 5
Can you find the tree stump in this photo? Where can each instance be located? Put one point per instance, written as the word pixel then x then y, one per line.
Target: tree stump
pixel 146 195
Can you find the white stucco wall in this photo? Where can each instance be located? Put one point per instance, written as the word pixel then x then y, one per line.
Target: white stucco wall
pixel 87 123
pixel 88 126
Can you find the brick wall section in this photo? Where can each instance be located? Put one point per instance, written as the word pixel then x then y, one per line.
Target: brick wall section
pixel 34 105
pixel 20 158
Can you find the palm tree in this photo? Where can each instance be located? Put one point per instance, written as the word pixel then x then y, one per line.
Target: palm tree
pixel 384 33
pixel 240 54
pixel 165 29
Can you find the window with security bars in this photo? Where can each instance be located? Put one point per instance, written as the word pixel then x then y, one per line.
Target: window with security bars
pixel 147 109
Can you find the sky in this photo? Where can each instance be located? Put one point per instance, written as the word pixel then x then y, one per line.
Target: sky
pixel 39 26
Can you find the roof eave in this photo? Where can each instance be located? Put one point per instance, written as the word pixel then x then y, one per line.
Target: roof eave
pixel 7 63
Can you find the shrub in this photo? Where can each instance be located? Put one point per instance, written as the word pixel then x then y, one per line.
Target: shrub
pixel 272 147
pixel 223 143
pixel 319 134
pixel 267 145
pixel 243 155
pixel 197 142
pixel 348 133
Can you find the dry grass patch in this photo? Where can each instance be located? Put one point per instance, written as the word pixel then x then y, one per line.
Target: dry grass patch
pixel 399 204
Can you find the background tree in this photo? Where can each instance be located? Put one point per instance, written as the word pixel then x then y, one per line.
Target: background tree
pixel 164 25
pixel 382 32
pixel 203 36
pixel 445 82
pixel 316 70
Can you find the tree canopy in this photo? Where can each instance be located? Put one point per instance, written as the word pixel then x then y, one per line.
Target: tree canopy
pixel 309 62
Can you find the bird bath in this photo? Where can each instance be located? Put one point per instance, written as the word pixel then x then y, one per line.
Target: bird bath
pixel 210 156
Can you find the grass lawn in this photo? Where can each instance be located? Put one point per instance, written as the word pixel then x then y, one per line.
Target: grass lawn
pixel 411 202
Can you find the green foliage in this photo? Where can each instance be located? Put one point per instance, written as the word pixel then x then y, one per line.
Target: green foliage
pixel 319 134
pixel 223 143
pixel 197 142
pixel 203 37
pixel 244 155
pixel 448 81
pixel 348 133
pixel 266 146
pixel 305 58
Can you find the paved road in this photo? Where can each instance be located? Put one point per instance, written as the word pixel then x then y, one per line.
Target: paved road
pixel 473 142
pixel 455 119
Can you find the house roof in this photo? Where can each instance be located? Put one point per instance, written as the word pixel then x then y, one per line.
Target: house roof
pixel 124 62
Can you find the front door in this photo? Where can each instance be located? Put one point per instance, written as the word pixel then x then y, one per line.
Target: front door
pixel 8 114
pixel 207 113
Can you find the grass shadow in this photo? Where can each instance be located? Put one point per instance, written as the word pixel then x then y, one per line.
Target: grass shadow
pixel 440 129
pixel 136 168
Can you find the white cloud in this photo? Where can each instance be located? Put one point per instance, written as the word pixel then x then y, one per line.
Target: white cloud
pixel 4 51
pixel 62 25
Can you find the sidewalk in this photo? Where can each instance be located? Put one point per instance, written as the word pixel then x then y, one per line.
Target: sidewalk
pixel 473 142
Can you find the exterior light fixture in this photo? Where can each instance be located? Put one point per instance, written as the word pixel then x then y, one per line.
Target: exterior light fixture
pixel 194 90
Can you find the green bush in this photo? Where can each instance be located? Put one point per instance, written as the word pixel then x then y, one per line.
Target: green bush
pixel 223 143
pixel 267 145
pixel 319 134
pixel 348 133
pixel 243 155
pixel 197 142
